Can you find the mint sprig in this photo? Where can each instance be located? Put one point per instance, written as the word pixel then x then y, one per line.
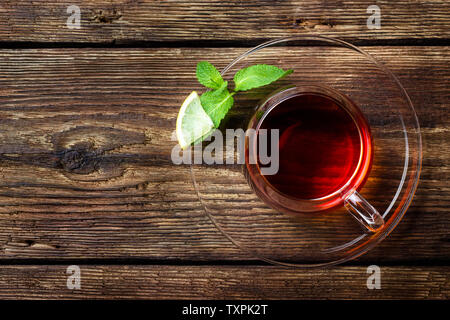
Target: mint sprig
pixel 219 100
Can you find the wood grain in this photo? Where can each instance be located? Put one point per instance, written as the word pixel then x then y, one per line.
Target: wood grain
pixel 120 21
pixel 222 282
pixel 85 156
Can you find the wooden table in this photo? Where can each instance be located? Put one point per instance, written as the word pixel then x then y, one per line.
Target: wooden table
pixel 86 177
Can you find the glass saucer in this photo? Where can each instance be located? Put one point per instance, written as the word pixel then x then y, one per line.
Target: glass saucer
pixel 330 237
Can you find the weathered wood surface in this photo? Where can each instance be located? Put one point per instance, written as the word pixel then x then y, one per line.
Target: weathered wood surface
pixel 222 282
pixel 85 170
pixel 85 156
pixel 149 20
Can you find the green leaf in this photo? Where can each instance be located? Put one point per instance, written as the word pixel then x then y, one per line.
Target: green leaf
pixel 257 76
pixel 216 103
pixel 208 75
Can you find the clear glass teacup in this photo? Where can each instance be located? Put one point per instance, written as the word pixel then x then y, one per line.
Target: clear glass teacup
pixel 321 157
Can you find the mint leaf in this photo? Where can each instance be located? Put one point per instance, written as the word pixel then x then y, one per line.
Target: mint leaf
pixel 257 76
pixel 216 103
pixel 208 75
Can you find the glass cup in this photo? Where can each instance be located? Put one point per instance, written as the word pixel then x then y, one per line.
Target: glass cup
pixel 346 191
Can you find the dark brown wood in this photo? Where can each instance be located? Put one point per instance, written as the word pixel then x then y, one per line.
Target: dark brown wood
pixel 222 282
pixel 85 155
pixel 85 169
pixel 148 20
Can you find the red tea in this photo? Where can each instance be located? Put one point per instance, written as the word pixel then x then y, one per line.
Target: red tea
pixel 324 148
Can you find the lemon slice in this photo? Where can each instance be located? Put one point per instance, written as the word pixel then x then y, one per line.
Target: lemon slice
pixel 192 122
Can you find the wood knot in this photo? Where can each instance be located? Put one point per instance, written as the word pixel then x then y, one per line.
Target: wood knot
pixel 92 154
pixel 102 16
pixel 81 159
pixel 315 24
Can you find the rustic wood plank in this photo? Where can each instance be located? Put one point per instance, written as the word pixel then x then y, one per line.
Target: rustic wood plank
pixel 149 20
pixel 85 156
pixel 222 282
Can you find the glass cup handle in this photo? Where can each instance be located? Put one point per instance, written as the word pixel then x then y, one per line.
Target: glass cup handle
pixel 364 212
